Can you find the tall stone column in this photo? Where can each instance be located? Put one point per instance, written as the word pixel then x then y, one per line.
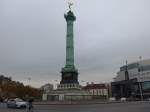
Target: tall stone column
pixel 70 18
pixel 69 72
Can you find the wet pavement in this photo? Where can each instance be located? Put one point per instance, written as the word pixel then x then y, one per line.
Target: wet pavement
pixel 111 107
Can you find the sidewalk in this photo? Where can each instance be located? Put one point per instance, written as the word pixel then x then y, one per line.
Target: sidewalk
pixel 75 102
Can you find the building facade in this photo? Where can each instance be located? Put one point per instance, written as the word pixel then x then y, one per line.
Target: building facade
pixel 138 82
pixel 138 70
pixel 47 87
pixel 97 90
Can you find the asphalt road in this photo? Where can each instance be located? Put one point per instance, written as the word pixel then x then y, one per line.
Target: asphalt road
pixel 113 107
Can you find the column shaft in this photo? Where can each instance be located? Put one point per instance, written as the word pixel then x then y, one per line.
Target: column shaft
pixel 69 45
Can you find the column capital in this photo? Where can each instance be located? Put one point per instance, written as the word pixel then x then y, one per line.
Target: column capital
pixel 70 16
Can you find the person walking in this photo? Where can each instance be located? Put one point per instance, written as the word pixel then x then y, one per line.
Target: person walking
pixel 30 105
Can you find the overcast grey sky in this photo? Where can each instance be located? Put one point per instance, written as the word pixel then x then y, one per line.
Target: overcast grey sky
pixel 107 33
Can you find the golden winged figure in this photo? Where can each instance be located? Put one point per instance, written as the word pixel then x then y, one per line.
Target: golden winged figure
pixel 70 4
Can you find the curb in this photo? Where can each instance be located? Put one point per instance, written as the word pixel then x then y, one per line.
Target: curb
pixel 79 103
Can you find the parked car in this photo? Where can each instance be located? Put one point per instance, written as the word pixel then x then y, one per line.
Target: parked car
pixel 17 103
pixel 111 99
pixel 148 99
pixel 123 99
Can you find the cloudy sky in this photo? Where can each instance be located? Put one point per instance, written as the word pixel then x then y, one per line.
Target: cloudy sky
pixel 107 33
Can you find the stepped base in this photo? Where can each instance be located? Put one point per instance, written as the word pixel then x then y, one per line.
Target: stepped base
pixel 67 95
pixel 68 86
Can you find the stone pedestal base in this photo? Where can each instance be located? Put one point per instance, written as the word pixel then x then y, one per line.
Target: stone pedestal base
pixel 67 95
pixel 68 86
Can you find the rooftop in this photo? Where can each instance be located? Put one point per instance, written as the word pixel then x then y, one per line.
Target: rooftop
pixel 95 86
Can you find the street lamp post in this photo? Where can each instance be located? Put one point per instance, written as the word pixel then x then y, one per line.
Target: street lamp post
pixel 29 79
pixel 141 93
pixel 140 86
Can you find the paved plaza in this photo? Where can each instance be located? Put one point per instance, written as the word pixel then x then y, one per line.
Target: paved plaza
pixel 112 107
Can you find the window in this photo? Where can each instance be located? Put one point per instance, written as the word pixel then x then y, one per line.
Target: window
pixel 145 85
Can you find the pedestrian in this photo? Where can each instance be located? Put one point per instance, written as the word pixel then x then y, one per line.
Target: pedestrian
pixel 30 105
